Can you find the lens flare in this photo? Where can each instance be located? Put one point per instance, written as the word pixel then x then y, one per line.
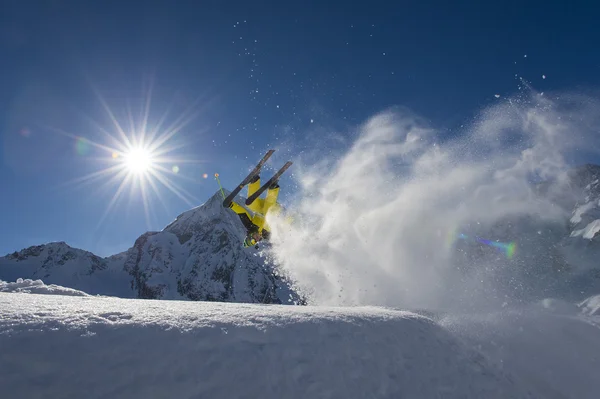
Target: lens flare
pixel 507 248
pixel 82 146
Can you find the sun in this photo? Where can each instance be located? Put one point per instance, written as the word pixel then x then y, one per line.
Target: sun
pixel 138 160
pixel 143 156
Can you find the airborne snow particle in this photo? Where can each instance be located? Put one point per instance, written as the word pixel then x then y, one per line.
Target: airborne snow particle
pixel 543 76
pixel 497 95
pixel 312 120
pixel 175 169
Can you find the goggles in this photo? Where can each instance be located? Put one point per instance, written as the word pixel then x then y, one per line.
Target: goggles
pixel 249 242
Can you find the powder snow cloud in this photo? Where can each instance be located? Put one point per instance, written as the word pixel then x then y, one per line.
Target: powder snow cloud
pixel 377 228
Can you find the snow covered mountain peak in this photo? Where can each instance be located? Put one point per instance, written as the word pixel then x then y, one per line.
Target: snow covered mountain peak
pixel 199 256
pixel 195 219
pixel 56 255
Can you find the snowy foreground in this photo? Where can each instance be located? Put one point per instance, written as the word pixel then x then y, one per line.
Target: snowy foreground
pixel 66 346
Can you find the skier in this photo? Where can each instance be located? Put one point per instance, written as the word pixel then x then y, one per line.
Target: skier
pixel 255 222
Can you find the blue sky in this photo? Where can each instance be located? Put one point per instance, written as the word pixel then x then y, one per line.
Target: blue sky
pixel 252 75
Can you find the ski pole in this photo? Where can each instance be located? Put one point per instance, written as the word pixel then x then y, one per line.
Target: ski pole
pixel 220 187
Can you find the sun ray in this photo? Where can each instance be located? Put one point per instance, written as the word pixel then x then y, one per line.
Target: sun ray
pixel 122 146
pixel 160 122
pixel 113 200
pixel 154 187
pixel 145 202
pixel 166 171
pixel 91 177
pixel 112 118
pixel 146 114
pixel 133 190
pixel 132 126
pixel 176 126
pixel 76 137
pixel 182 161
pixel 120 176
pixel 175 188
pixel 166 149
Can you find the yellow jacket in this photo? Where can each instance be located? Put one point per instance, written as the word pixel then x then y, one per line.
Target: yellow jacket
pixel 260 207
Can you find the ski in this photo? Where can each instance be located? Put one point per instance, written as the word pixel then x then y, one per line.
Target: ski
pixel 227 201
pixel 265 186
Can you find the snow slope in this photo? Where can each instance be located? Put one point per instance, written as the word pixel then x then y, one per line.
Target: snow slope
pixel 97 347
pixel 550 347
pixel 93 347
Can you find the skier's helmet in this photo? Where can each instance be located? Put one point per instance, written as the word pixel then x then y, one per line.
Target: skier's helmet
pixel 252 238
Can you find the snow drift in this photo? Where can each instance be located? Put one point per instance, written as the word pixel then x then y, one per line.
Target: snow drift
pixel 106 347
pixel 38 287
pixel 96 347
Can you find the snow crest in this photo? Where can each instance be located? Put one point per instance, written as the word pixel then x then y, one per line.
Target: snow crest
pixel 38 287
